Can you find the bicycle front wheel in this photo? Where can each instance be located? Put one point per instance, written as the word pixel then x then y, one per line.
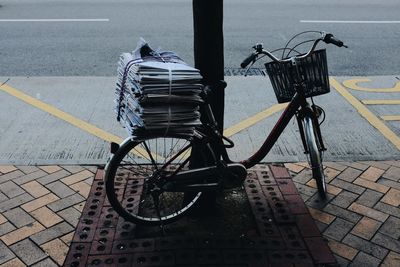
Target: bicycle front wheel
pixel 314 152
pixel 136 173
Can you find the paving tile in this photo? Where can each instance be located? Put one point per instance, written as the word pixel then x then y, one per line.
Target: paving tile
pixel 369 198
pixel 392 197
pixel 366 246
pixel 366 228
pixel 294 167
pixel 321 216
pixel 335 165
pixel 93 169
pixel 55 231
pixel 330 189
pixel 357 165
pixel 60 189
pixel 342 213
pixel 73 168
pixel 391 227
pixel 89 181
pixel 66 202
pixel 77 177
pixel 35 189
pixel 10 189
pixel 10 176
pixel 14 202
pixel 53 177
pixel 46 263
pixel 318 203
pixel 338 229
pixel 395 163
pixel 80 206
pixel 71 215
pixel 371 185
pixel 330 174
pixel 387 242
pixel 67 239
pixel 344 199
pixel 21 233
pixel 303 177
pixel 19 217
pixel 29 177
pixel 2 219
pixel 349 174
pixel 342 262
pixel 82 188
pixel 305 189
pixel 46 217
pixel 28 252
pixel 5 253
pixel 342 250
pixel 14 263
pixel 7 168
pixel 40 202
pixel 56 249
pixel 367 211
pixel 321 226
pixel 28 169
pixel 393 173
pixel 391 260
pixel 50 168
pixel 378 164
pixel 3 197
pixel 6 228
pixel 394 211
pixel 389 183
pixel 348 186
pixel 372 174
pixel 365 260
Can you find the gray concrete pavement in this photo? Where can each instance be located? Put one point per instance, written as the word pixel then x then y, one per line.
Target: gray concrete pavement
pixel 33 136
pixel 92 48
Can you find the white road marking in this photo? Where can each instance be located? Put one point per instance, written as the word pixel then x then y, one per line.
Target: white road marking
pixel 353 21
pixel 54 20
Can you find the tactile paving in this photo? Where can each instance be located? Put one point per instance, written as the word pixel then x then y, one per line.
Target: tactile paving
pixel 286 234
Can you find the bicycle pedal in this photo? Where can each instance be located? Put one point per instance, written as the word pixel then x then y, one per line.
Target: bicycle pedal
pixel 234 176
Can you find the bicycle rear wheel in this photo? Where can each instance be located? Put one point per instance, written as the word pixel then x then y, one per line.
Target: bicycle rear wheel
pixel 315 157
pixel 135 177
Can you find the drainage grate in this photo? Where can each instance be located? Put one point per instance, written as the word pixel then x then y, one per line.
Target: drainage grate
pixel 287 235
pixel 242 72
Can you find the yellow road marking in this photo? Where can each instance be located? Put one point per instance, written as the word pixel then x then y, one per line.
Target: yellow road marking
pixel 368 115
pixel 87 127
pixel 381 102
pixel 353 84
pixel 391 118
pixel 253 120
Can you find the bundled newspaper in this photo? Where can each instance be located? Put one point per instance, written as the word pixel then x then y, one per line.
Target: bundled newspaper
pixel 157 93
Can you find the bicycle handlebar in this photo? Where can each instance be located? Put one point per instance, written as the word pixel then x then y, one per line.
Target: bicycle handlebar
pixel 328 38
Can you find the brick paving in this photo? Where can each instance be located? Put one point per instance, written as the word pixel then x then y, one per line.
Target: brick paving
pixel 40 208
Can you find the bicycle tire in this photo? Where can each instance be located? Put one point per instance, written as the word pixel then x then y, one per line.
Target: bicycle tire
pixel 127 179
pixel 314 152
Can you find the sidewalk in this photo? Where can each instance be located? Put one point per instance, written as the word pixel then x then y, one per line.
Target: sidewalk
pixel 40 207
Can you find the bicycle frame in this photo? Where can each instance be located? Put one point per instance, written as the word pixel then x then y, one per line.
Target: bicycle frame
pixel 297 106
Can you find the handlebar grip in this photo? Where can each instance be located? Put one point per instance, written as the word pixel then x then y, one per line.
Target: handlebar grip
pixel 247 61
pixel 330 39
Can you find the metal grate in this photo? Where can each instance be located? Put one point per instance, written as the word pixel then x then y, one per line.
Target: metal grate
pixel 286 234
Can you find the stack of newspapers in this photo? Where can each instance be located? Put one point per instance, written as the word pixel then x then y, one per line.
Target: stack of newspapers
pixel 157 94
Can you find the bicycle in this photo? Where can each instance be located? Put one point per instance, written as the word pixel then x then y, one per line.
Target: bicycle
pixel 146 180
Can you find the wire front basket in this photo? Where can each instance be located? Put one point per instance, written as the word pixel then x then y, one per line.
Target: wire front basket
pixel 313 71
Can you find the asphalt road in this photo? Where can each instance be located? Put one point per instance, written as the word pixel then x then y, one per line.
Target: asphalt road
pixel 91 48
